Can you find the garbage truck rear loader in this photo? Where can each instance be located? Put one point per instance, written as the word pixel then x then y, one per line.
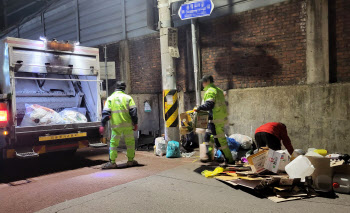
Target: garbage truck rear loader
pixel 51 76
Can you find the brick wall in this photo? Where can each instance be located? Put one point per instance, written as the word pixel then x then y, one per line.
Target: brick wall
pixel 256 48
pixel 342 50
pixel 145 64
pixel 261 47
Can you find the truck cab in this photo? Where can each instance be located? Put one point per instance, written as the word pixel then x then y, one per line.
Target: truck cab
pixel 52 75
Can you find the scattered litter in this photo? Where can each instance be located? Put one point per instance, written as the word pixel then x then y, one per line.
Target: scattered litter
pixel 296 179
pixel 187 154
pixel 208 173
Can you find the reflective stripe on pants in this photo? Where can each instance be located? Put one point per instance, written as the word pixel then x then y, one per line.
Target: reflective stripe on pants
pixel 128 135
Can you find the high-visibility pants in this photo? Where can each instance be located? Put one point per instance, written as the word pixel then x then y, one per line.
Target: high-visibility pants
pixel 118 133
pixel 218 131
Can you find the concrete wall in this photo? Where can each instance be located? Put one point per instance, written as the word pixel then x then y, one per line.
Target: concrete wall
pixel 315 115
pixel 149 121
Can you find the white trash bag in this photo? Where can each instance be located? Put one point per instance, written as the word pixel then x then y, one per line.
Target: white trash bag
pixel 245 141
pixel 160 146
pixel 37 115
pixel 72 116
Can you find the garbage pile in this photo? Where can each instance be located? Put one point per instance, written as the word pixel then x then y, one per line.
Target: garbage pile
pixel 37 115
pixel 281 177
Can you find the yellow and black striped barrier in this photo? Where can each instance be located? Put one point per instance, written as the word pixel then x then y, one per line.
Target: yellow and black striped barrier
pixel 171 108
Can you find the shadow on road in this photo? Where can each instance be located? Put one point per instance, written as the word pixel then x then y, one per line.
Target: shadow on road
pixel 16 169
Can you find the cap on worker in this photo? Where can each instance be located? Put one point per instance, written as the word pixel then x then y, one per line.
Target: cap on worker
pixel 207 78
pixel 121 85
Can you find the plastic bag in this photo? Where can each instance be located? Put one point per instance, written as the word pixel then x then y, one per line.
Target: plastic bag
pixel 37 115
pixel 245 141
pixel 160 146
pixel 72 117
pixel 173 149
pixel 190 142
pixel 208 173
pixel 234 155
pixel 233 145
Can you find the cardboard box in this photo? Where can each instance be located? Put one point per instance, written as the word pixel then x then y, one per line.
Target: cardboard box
pixel 276 161
pixel 185 119
pixel 202 120
pixel 257 161
pixel 323 174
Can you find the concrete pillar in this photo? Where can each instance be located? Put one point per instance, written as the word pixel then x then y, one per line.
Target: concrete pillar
pixel 168 75
pixel 124 60
pixel 317 42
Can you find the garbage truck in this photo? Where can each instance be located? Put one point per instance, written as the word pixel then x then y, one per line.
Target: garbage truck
pixel 38 81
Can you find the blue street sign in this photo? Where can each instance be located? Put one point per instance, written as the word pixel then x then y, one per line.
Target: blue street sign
pixel 196 9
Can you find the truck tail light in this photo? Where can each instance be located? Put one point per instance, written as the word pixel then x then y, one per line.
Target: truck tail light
pixel 3 115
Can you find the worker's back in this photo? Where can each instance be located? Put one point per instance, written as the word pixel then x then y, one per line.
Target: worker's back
pixel 120 104
pixel 220 109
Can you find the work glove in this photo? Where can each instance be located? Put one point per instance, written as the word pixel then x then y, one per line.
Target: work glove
pixel 135 127
pixel 101 130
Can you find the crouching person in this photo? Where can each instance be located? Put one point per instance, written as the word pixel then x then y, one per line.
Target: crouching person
pixel 271 134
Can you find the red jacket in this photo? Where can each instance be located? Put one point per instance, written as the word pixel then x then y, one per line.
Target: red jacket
pixel 280 131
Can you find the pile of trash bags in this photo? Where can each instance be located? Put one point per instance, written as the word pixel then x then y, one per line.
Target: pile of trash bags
pixel 239 145
pixel 37 115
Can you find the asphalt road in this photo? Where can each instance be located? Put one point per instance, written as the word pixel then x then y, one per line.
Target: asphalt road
pixel 34 184
pixel 60 183
pixel 182 189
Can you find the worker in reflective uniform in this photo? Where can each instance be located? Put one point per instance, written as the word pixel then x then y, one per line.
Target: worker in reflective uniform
pixel 120 108
pixel 214 102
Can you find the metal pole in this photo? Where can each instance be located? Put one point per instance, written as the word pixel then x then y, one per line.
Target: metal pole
pixel 106 72
pixel 168 74
pixel 195 68
pixel 77 20
pixel 195 61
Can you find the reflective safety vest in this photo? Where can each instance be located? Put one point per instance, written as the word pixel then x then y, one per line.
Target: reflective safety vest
pixel 119 105
pixel 215 94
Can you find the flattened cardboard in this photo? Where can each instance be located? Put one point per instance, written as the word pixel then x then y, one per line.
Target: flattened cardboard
pixel 252 184
pixel 226 178
pixel 280 199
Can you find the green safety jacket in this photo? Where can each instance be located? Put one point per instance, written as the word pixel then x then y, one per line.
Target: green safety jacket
pixel 214 103
pixel 120 108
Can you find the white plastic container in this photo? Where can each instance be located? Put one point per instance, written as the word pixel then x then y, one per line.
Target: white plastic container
pixel 300 167
pixel 341 183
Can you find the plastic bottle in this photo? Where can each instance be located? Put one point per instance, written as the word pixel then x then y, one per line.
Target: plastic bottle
pixel 300 167
pixel 322 152
pixel 341 183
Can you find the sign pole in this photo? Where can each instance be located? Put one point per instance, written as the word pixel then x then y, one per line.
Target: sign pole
pixel 106 72
pixel 195 61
